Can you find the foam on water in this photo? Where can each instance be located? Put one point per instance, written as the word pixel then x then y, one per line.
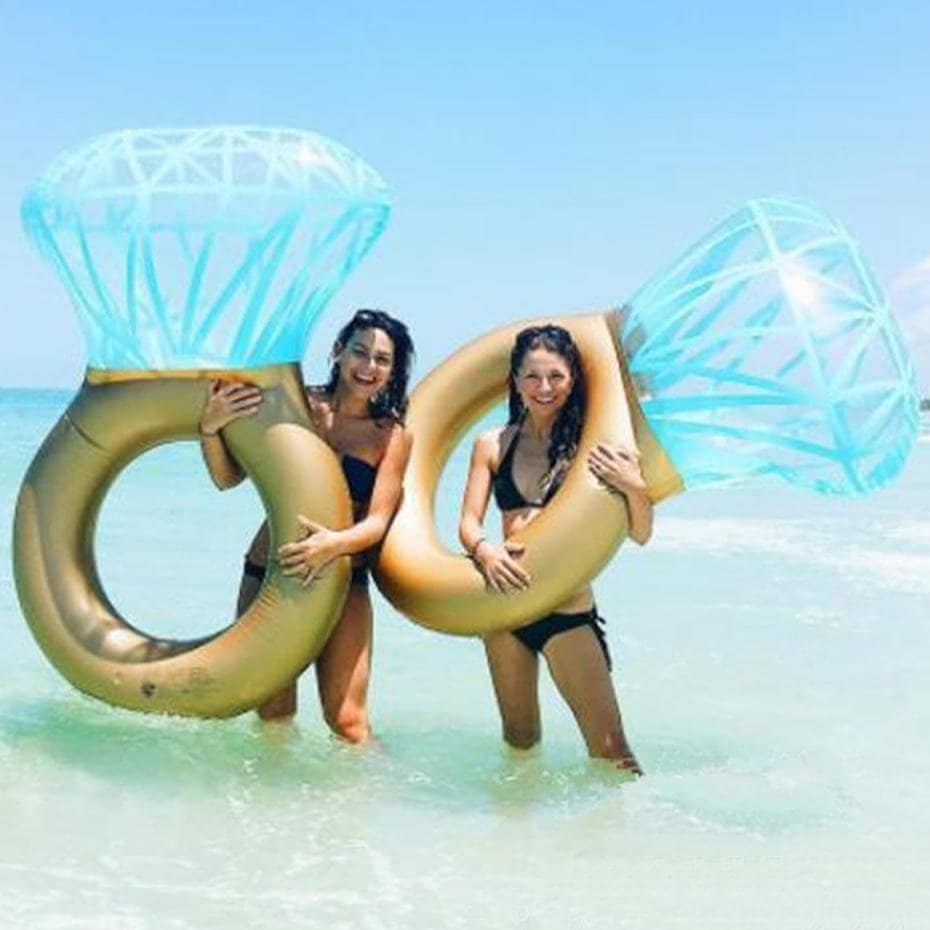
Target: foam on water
pixel 771 665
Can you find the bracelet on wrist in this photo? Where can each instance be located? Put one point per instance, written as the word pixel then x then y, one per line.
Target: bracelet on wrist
pixel 204 432
pixel 473 552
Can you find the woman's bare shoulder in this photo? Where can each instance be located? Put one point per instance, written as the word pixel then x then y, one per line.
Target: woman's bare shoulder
pixel 399 437
pixel 491 437
pixel 488 445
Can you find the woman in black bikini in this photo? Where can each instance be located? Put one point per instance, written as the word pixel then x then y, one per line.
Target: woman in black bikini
pixel 524 464
pixel 359 412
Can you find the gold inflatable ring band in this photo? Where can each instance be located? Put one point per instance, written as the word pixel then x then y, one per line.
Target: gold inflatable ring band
pixel 115 417
pixel 576 534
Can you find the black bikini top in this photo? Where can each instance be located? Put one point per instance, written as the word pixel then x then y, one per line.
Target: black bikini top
pixel 360 477
pixel 359 474
pixel 506 493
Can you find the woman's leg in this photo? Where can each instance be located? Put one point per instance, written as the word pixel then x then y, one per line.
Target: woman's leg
pixel 283 705
pixel 579 670
pixel 515 674
pixel 280 707
pixel 343 669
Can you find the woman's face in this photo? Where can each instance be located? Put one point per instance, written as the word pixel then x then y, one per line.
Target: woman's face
pixel 544 381
pixel 366 362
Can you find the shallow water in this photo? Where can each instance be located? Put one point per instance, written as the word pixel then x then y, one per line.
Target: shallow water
pixel 772 653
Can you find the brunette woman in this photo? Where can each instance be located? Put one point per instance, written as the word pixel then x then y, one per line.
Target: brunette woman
pixel 523 465
pixel 360 414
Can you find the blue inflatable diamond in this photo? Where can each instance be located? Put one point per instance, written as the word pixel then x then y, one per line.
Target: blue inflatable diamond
pixel 769 349
pixel 207 247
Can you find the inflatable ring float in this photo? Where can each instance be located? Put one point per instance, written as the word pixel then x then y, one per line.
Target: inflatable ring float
pixel 115 418
pixel 767 350
pixel 190 253
pixel 570 541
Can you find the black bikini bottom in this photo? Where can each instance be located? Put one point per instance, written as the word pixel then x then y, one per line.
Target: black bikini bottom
pixel 257 571
pixel 535 635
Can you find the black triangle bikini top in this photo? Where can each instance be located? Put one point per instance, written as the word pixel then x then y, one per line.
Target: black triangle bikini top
pixel 506 493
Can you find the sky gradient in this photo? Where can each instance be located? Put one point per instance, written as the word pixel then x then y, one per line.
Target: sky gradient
pixel 544 159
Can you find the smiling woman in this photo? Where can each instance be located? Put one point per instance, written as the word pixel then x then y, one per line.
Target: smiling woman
pixel 359 412
pixel 523 465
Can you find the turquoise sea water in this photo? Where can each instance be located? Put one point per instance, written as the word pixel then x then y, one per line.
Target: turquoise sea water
pixel 772 651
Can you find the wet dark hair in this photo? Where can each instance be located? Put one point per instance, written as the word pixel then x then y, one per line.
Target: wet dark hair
pixel 566 430
pixel 391 403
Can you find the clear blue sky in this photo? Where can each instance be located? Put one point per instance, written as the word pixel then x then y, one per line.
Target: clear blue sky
pixel 545 157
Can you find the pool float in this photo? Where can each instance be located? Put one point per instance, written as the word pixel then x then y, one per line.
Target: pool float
pixel 442 589
pixel 766 351
pixel 189 254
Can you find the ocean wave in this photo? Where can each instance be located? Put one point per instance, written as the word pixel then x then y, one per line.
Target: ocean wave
pixel 897 568
pixel 738 534
pixel 898 571
pixel 915 532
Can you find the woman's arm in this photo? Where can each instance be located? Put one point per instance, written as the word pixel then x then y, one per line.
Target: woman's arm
pixel 477 492
pixel 308 557
pixel 224 403
pixel 223 468
pixel 639 511
pixel 618 468
pixel 497 563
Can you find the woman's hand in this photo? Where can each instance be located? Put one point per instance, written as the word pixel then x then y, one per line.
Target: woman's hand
pixel 308 557
pixel 227 402
pixel 499 566
pixel 617 467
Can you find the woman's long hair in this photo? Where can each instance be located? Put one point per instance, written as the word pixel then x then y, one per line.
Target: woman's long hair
pixel 391 402
pixel 566 430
